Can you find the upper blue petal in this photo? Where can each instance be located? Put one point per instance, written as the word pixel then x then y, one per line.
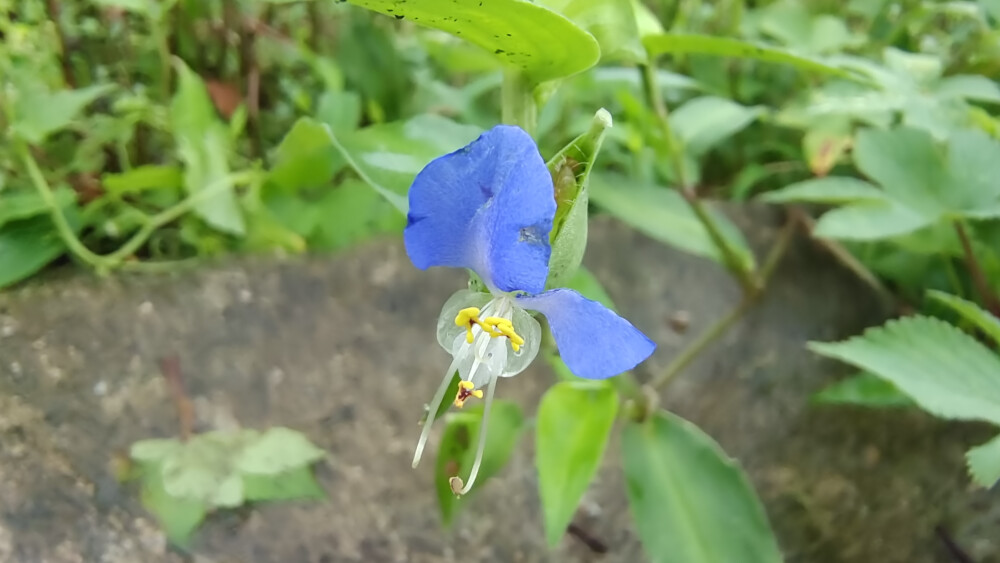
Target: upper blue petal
pixel 489 207
pixel 593 340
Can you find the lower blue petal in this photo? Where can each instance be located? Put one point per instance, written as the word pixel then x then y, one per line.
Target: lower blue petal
pixel 488 207
pixel 593 340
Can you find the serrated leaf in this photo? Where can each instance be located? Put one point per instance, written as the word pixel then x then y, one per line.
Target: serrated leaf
pixel 277 450
pixel 906 163
pixel 37 113
pixel 984 463
pixel 690 502
pixel 674 43
pixel 703 122
pixel 833 190
pixel 664 215
pixel 570 169
pixel 982 319
pixel 458 449
pixel 543 44
pixel 947 372
pixel 870 221
pixel 295 484
pixel 204 146
pixel 572 429
pixel 863 389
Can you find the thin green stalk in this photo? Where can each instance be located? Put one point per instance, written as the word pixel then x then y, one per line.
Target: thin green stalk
pixel 517 99
pixel 135 242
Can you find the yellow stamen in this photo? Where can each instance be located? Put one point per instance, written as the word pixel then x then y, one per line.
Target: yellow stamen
pixel 493 326
pixel 466 389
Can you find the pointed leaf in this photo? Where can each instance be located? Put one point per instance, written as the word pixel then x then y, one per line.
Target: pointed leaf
pixel 544 44
pixel 947 372
pixel 869 221
pixel 25 205
pixel 981 318
pixel 36 114
pixel 984 463
pixel 832 190
pixel 865 390
pixel 306 157
pixel 26 246
pixel 689 501
pixel 573 426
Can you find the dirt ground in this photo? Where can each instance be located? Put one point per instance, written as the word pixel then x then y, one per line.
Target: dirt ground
pixel 343 349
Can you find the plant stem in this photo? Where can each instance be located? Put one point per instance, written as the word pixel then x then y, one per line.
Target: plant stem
pixel 517 98
pixel 135 242
pixel 675 152
pixel 986 293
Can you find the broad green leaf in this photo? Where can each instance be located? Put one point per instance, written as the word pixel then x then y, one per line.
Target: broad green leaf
pixel 869 221
pixel 26 246
pixel 204 469
pixel 974 167
pixel 458 450
pixel 151 177
pixel 908 166
pixel 984 463
pixel 611 22
pixel 704 122
pixel 340 110
pixel 350 213
pixel 543 44
pixel 947 372
pixel 663 214
pixel 570 169
pixel 203 144
pixel 25 205
pixel 689 501
pixel 982 319
pixel 154 450
pixel 969 87
pixel 572 429
pixel 37 113
pixel 294 484
pixel 672 43
pixel 387 157
pixel 277 450
pixel 863 389
pixel 178 517
pixel 832 190
pixel 306 157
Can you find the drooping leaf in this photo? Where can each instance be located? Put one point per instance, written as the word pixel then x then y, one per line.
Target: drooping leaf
pixel 572 430
pixel 458 450
pixel 689 501
pixel 863 389
pixel 830 190
pixel 947 372
pixel 664 215
pixel 543 44
pixel 37 113
pixel 982 319
pixel 673 43
pixel 704 122
pixel 984 462
pixel 203 144
pixel 277 450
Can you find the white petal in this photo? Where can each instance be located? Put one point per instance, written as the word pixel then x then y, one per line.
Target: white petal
pixel 446 329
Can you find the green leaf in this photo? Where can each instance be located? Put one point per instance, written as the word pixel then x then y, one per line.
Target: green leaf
pixel 179 517
pixel 458 450
pixel 150 177
pixel 611 22
pixel 869 221
pixel 689 501
pixel 387 157
pixel 277 450
pixel 863 389
pixel 25 205
pixel 306 157
pixel 727 47
pixel 37 113
pixel 340 110
pixel 154 450
pixel 203 144
pixel 570 169
pixel 947 372
pixel 704 122
pixel 573 426
pixel 350 213
pixel 26 246
pixel 984 463
pixel 982 319
pixel 204 469
pixel 973 169
pixel 664 215
pixel 294 484
pixel 968 87
pixel 907 164
pixel 832 190
pixel 542 43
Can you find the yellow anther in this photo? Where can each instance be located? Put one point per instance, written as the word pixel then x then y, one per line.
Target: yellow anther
pixel 468 317
pixel 493 326
pixel 466 389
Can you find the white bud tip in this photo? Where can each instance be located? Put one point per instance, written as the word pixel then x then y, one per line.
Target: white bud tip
pixel 603 117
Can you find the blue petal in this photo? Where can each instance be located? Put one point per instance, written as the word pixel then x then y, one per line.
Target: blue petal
pixel 488 207
pixel 593 341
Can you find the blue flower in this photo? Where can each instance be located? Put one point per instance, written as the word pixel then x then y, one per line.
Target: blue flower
pixel 489 207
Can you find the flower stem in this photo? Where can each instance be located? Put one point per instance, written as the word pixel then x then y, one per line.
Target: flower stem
pixel 675 152
pixel 517 99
